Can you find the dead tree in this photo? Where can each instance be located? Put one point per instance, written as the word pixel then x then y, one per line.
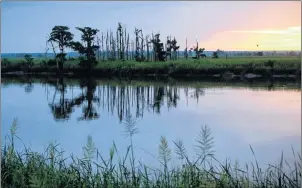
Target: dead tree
pixel 103 47
pixel 107 46
pixel 186 50
pixel 137 46
pixel 118 45
pixel 142 46
pixel 127 50
pixel 98 43
pixel 147 43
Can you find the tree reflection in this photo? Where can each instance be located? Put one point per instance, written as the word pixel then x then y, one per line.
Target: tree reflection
pixel 89 110
pixel 62 109
pixel 65 107
pixel 119 99
pixel 29 87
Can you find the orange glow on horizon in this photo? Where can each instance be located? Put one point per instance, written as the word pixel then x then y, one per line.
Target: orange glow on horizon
pixel 268 39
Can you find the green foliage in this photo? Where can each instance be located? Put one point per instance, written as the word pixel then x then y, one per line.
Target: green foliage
pixel 181 67
pixel 51 62
pixel 63 37
pixel 88 47
pixel 160 54
pixel 5 62
pixel 28 60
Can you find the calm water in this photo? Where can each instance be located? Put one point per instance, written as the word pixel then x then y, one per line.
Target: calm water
pixel 268 118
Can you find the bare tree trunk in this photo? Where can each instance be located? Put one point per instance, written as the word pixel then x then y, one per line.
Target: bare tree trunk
pixel 113 45
pixel 98 42
pixel 186 52
pixel 103 47
pixel 136 44
pixel 54 51
pixel 118 46
pixel 147 43
pixel 123 38
pixel 132 50
pixel 154 49
pixel 127 46
pixel 107 47
pixel 142 46
pixel 197 52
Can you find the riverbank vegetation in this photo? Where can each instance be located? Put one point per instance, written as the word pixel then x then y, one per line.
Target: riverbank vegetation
pixel 120 53
pixel 261 66
pixel 51 168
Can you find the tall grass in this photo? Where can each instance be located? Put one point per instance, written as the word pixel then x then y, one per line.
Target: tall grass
pixel 238 65
pixel 50 169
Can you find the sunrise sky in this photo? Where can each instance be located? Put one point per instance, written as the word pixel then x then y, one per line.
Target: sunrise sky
pixel 227 25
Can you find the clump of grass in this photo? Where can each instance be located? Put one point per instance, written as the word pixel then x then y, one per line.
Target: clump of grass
pixel 50 169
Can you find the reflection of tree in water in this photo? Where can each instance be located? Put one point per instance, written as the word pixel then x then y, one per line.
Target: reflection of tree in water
pixel 121 100
pixel 89 111
pixel 61 110
pixel 64 107
pixel 29 87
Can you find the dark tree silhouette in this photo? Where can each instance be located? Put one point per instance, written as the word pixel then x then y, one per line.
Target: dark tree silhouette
pixel 5 62
pixel 28 60
pixel 120 42
pixel 259 54
pixel 169 48
pixel 215 55
pixel 62 36
pixel 160 54
pixel 175 48
pixel 88 47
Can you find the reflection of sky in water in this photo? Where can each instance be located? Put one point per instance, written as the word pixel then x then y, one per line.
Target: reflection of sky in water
pixel 268 120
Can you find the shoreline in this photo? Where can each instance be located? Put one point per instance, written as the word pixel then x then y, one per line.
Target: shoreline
pixel 225 73
pixel 257 82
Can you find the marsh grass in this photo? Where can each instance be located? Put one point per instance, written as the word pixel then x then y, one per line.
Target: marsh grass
pixel 50 169
pixel 237 65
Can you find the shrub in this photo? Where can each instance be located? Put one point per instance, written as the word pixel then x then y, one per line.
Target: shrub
pixel 5 62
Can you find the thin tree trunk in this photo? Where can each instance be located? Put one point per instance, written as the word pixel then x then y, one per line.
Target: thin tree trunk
pixel 186 52
pixel 98 42
pixel 103 47
pixel 118 46
pixel 107 48
pixel 147 43
pixel 127 46
pixel 142 46
pixel 54 51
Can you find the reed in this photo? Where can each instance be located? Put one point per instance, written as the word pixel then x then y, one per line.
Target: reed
pixel 51 169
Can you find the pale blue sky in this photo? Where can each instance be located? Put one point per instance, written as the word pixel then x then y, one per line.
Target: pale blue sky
pixel 25 25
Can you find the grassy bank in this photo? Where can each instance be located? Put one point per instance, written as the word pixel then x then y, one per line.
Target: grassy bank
pixel 264 66
pixel 50 169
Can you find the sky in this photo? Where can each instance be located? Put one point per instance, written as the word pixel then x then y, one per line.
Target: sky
pixel 225 25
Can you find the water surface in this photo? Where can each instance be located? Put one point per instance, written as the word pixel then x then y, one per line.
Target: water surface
pixel 265 116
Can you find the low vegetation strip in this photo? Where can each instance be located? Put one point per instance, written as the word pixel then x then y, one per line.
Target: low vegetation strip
pixel 262 66
pixel 50 169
